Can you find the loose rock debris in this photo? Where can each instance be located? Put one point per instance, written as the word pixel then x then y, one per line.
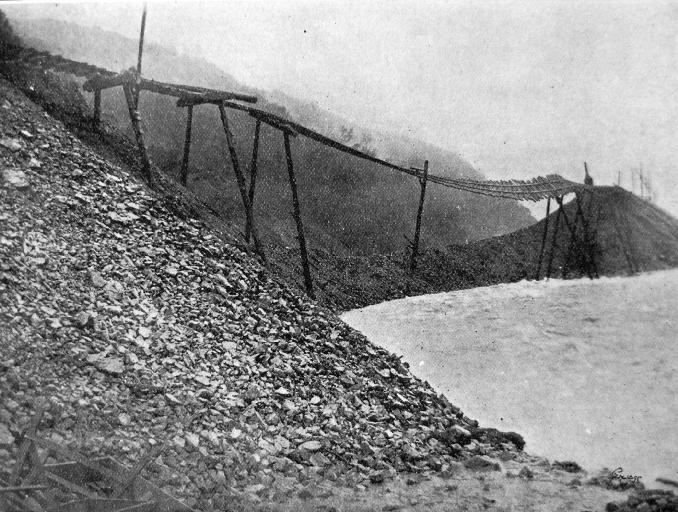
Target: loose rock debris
pixel 113 305
pixel 143 329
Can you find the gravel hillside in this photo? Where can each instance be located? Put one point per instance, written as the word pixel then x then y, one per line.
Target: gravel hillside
pixel 137 327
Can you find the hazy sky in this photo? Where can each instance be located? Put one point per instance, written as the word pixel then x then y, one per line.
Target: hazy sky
pixel 518 88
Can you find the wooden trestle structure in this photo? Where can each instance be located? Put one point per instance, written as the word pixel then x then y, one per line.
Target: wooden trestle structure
pixel 133 83
pixel 581 238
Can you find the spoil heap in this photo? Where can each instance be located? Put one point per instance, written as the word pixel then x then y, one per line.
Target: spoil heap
pixel 627 234
pixel 138 327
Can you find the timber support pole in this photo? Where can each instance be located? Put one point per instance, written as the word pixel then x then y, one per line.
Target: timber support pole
pixel 97 107
pixel 187 145
pixel 241 182
pixel 543 238
pixel 549 266
pixel 420 210
pixel 308 282
pixel 574 240
pixel 253 176
pixel 137 90
pixel 138 133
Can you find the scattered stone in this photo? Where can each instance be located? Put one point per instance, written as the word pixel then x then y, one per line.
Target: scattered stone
pixel 97 279
pixel 482 463
pixel 172 399
pixel 255 489
pixel 6 437
pixel 193 440
pixel 16 179
pixel 112 365
pixel 11 144
pixel 84 319
pixel 311 446
pixel 282 391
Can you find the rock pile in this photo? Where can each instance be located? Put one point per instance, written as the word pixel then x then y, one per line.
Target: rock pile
pixel 138 327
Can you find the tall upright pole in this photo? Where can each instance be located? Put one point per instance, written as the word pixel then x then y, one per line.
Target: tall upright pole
pixel 141 52
pixel 187 145
pixel 417 229
pixel 308 282
pixel 543 238
pixel 97 107
pixel 240 179
pixel 138 133
pixel 253 175
pixel 549 265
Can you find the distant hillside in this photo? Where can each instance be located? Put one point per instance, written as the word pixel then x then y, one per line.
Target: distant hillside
pixel 348 205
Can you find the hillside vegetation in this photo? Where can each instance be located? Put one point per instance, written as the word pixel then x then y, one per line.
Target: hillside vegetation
pixel 349 206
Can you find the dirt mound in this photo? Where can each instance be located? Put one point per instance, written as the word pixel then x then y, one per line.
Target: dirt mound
pixel 626 234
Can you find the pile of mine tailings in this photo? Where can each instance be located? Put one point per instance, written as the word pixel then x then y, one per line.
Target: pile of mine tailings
pixel 616 232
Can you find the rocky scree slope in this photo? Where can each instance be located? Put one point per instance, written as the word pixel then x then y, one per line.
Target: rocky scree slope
pixel 138 327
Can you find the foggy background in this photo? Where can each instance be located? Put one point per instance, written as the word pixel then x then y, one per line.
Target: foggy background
pixel 518 89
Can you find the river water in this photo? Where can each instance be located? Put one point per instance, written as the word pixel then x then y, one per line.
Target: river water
pixel 584 370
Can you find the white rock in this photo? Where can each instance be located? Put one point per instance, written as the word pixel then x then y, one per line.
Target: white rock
pixel 192 439
pixel 311 446
pixel 17 179
pixel 11 144
pixel 6 437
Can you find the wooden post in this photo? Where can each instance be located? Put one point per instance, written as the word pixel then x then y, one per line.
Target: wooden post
pixel 187 145
pixel 572 228
pixel 241 182
pixel 420 210
pixel 253 176
pixel 559 200
pixel 97 107
pixel 141 51
pixel 138 133
pixel 543 238
pixel 297 217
